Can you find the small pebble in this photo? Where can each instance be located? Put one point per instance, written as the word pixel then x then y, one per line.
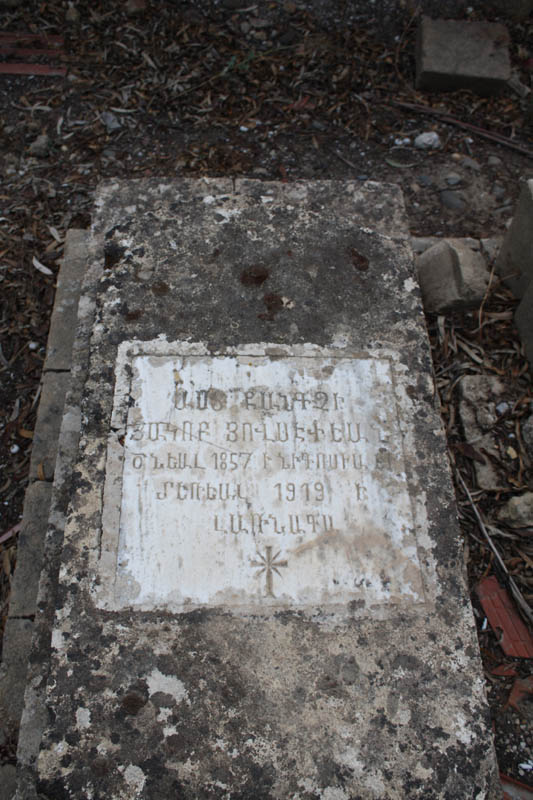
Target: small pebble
pixel 72 14
pixel 428 141
pixel 471 163
pixel 501 408
pixel 452 179
pixel 14 448
pixel 134 7
pixel 424 180
pixel 452 200
pixel 41 146
pixel 498 190
pixel 494 161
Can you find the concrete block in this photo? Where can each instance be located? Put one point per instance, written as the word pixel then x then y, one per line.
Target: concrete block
pixel 515 261
pixel 44 450
pixel 462 55
pixel 524 322
pixel 64 316
pixel 30 550
pixel 453 275
pixel 8 781
pixel 16 647
pixel 266 685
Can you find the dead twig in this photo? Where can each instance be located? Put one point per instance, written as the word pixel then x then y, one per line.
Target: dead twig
pixel 515 591
pixel 445 117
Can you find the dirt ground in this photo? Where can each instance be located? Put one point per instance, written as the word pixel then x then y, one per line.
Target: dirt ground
pixel 276 90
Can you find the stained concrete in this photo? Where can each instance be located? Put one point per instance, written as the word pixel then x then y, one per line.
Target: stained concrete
pixel 453 54
pixel 293 702
pixel 65 314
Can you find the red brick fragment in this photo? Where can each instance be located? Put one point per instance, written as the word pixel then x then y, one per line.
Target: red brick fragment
pixel 515 790
pixel 31 69
pixel 521 688
pixel 504 671
pixel 40 38
pixel 514 637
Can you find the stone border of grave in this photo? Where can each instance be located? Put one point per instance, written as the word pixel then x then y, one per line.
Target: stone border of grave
pixel 33 551
pixel 453 273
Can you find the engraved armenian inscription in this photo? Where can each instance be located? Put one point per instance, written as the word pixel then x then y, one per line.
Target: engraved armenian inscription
pixel 256 481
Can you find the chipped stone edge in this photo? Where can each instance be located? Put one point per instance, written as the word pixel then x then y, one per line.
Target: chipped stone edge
pixel 23 605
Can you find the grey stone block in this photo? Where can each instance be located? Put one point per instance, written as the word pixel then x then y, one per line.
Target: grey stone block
pixel 515 261
pixel 8 781
pixel 64 316
pixel 16 647
pixel 452 274
pixel 30 550
pixel 491 247
pixel 43 458
pixel 462 55
pixel 524 322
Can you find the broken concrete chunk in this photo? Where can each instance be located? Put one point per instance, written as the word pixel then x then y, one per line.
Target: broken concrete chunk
pixel 480 394
pixel 453 274
pixel 491 247
pixel 515 261
pixel 518 511
pixel 462 55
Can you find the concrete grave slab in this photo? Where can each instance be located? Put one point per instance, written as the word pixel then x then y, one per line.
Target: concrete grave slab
pixel 454 54
pixel 261 592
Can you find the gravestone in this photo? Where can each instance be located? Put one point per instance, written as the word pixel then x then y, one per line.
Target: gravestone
pixel 261 591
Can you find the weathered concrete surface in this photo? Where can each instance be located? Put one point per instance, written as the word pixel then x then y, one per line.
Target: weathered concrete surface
pixel 35 547
pixel 15 649
pixel 65 314
pixel 515 261
pixel 285 702
pixel 462 55
pixel 30 550
pixel 44 448
pixel 453 275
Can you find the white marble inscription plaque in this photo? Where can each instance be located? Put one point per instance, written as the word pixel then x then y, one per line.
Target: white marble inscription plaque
pixel 257 481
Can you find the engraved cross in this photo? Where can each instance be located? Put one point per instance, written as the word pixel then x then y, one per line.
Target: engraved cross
pixel 269 564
